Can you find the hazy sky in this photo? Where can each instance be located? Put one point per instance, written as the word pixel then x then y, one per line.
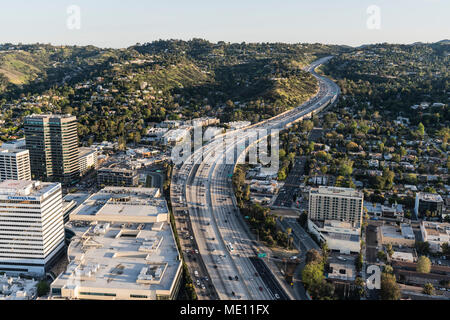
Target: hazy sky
pixel 120 23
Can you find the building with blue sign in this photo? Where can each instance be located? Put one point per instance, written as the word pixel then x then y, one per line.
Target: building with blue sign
pixel 31 226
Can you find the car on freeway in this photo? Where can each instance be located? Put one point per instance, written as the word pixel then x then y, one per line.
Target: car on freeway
pixel 277 296
pixel 260 288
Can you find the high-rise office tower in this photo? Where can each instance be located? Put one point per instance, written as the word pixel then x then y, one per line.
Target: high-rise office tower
pixel 53 144
pixel 31 226
pixel 14 165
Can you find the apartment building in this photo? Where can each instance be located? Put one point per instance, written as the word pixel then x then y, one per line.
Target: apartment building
pixel 339 204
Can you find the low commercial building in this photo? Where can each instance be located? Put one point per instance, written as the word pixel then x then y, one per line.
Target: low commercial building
pixel 170 124
pixel 14 164
pixel 428 204
pixel 117 177
pixel 12 288
pixel 403 256
pixel 31 226
pixel 342 267
pixel 405 272
pixel 175 136
pixel 436 234
pixel 124 249
pixel 398 236
pixel 205 121
pixel 72 201
pixel 260 187
pixel 339 236
pixel 235 125
pixel 155 134
pixel 395 211
pixel 88 160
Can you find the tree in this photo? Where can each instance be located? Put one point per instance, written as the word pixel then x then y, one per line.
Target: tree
pixel 352 146
pixel 307 125
pixel 312 275
pixel 43 288
pixel 68 110
pixel 389 287
pixel 388 177
pixel 423 265
pixel 325 291
pixel 360 285
pixel 423 248
pixel 359 262
pixel 381 255
pixel 346 168
pixel 388 269
pixel 428 289
pixel 445 249
pixel 389 250
pixel 313 256
pixel 421 129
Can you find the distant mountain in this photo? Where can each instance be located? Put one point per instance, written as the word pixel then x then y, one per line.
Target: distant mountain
pixel 446 41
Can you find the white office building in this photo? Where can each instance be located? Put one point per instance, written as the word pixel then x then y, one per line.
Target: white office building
pixel 31 226
pixel 14 164
pixel 339 204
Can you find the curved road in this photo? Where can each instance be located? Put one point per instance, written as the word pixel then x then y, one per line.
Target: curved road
pixel 203 185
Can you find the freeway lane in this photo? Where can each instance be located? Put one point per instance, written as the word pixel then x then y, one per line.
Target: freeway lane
pixel 203 185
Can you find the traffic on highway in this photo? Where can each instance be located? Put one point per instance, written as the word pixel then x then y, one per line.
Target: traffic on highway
pixel 217 231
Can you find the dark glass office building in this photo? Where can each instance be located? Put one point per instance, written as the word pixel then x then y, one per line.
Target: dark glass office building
pixel 53 144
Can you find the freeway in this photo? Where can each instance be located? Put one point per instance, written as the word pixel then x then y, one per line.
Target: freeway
pixel 202 184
